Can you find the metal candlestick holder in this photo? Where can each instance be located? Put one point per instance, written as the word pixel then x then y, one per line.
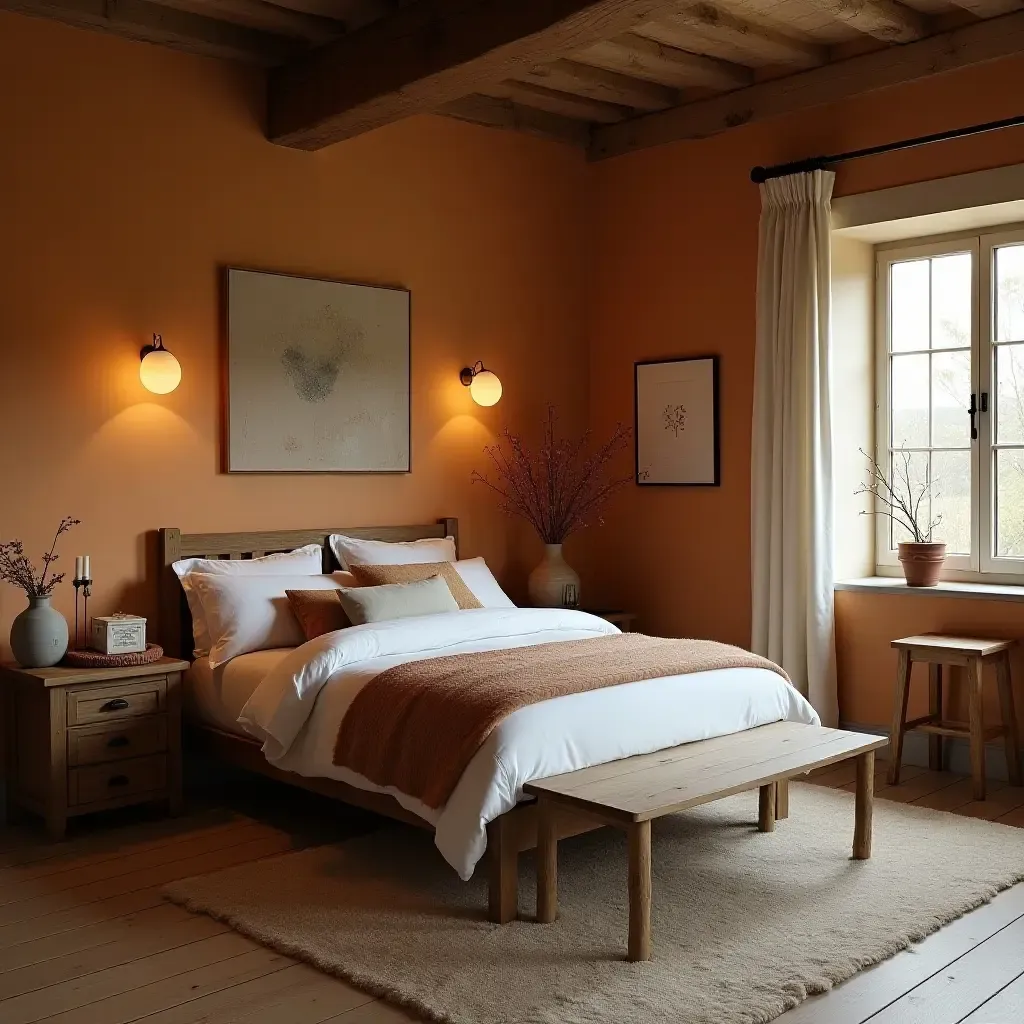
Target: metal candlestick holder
pixel 85 585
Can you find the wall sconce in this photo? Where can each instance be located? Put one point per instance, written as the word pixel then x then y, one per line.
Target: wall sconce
pixel 159 371
pixel 483 385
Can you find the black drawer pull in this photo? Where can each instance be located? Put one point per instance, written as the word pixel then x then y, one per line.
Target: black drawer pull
pixel 117 704
pixel 118 741
pixel 118 780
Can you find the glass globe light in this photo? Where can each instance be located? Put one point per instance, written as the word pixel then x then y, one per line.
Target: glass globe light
pixel 159 371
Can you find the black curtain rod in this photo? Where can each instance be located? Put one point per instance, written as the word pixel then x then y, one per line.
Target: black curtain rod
pixel 819 163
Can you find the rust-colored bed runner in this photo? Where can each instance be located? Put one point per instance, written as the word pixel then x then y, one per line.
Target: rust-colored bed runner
pixel 418 725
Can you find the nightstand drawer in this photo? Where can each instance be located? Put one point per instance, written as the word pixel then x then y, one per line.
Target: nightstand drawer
pixel 115 741
pixel 103 782
pixel 109 703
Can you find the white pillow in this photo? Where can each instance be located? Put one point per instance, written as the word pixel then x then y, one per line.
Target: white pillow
pixel 478 577
pixel 305 561
pixel 353 551
pixel 252 613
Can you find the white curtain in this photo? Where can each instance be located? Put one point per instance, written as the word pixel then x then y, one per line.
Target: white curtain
pixel 791 476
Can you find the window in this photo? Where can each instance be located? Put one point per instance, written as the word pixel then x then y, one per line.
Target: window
pixel 951 397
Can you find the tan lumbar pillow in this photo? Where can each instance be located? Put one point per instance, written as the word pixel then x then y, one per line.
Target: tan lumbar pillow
pixel 380 575
pixel 318 611
pixel 397 600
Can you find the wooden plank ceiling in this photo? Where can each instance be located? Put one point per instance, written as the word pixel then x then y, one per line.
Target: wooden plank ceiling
pixel 608 75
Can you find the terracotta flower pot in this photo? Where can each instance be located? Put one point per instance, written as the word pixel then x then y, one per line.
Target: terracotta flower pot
pixel 922 563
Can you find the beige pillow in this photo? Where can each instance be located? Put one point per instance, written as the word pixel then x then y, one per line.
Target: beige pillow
pixel 397 600
pixel 380 575
pixel 318 611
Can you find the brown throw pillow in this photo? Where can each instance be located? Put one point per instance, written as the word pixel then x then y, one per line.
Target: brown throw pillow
pixel 318 611
pixel 379 575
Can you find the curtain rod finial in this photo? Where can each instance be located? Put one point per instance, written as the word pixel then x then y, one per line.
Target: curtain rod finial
pixel 759 175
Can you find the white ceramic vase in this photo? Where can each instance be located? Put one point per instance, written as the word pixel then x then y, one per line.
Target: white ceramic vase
pixel 39 635
pixel 550 582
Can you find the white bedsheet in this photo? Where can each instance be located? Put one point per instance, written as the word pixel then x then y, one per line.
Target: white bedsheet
pixel 217 695
pixel 297 709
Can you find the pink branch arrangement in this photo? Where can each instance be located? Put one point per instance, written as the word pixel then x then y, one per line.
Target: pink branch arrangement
pixel 560 488
pixel 16 568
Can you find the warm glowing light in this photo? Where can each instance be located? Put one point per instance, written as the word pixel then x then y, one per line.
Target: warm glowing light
pixel 484 386
pixel 159 371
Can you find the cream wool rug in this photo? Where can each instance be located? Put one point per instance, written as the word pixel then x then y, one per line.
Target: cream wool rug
pixel 746 925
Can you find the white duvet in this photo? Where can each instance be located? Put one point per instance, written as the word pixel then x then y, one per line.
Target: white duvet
pixel 297 709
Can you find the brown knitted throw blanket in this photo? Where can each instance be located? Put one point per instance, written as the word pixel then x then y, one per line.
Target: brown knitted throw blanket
pixel 418 725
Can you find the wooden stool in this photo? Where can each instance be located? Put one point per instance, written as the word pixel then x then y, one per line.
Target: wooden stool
pixel 971 655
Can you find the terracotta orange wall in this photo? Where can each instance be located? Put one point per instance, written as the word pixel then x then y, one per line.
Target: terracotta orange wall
pixel 130 175
pixel 673 273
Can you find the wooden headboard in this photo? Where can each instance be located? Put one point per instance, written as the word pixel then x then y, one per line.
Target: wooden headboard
pixel 176 620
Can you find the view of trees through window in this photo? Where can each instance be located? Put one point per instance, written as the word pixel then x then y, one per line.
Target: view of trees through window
pixel 933 340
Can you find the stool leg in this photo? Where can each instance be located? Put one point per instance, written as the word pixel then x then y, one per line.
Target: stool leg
pixel 899 717
pixel 935 708
pixel 639 836
pixel 974 684
pixel 766 808
pixel 1010 736
pixel 782 799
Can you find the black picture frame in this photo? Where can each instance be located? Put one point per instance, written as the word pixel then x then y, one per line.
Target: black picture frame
pixel 715 416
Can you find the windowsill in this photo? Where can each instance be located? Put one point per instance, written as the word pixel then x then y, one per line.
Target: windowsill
pixel 946 588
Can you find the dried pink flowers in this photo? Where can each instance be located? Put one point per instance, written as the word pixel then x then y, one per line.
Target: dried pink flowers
pixel 559 489
pixel 17 569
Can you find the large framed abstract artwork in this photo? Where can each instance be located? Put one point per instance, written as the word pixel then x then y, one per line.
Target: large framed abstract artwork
pixel 676 410
pixel 317 375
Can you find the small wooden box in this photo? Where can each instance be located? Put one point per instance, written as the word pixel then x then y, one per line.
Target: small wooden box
pixel 119 634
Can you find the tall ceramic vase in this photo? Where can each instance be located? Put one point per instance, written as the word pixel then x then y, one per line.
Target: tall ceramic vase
pixel 39 635
pixel 554 581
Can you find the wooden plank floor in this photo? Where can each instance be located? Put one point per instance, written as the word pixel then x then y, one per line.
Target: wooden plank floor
pixel 86 939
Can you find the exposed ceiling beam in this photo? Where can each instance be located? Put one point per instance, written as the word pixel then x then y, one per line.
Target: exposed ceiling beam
pixel 883 19
pixel 647 58
pixel 989 8
pixel 267 17
pixel 697 24
pixel 973 44
pixel 496 113
pixel 352 14
pixel 563 103
pixel 148 22
pixel 601 84
pixel 427 54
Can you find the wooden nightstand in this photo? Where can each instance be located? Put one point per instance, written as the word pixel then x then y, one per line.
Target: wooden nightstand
pixel 90 739
pixel 624 620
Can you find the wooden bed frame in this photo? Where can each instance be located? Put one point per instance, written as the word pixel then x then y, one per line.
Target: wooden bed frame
pixel 507 836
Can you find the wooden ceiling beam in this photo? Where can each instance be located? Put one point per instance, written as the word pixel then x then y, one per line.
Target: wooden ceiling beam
pixel 427 54
pixel 636 55
pixel 883 19
pixel 948 51
pixel 600 84
pixel 266 17
pixel 352 14
pixel 989 8
pixel 690 27
pixel 151 23
pixel 504 114
pixel 564 104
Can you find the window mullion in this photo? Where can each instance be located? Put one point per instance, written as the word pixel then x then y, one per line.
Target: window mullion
pixel 984 489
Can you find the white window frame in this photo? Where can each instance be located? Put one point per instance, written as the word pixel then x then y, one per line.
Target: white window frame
pixel 982 565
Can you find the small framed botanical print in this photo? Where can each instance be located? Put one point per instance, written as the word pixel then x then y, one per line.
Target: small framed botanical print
pixel 676 410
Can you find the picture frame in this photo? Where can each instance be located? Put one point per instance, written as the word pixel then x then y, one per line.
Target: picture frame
pixel 317 375
pixel 676 422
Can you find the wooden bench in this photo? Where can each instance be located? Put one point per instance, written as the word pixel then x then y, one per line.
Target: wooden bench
pixel 632 792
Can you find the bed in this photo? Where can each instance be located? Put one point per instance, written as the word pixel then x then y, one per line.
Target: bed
pixel 546 739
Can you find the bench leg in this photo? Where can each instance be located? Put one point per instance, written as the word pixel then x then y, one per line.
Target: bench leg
pixel 935 710
pixel 899 716
pixel 503 868
pixel 547 862
pixel 639 890
pixel 865 805
pixel 766 808
pixel 1009 713
pixel 977 723
pixel 782 799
